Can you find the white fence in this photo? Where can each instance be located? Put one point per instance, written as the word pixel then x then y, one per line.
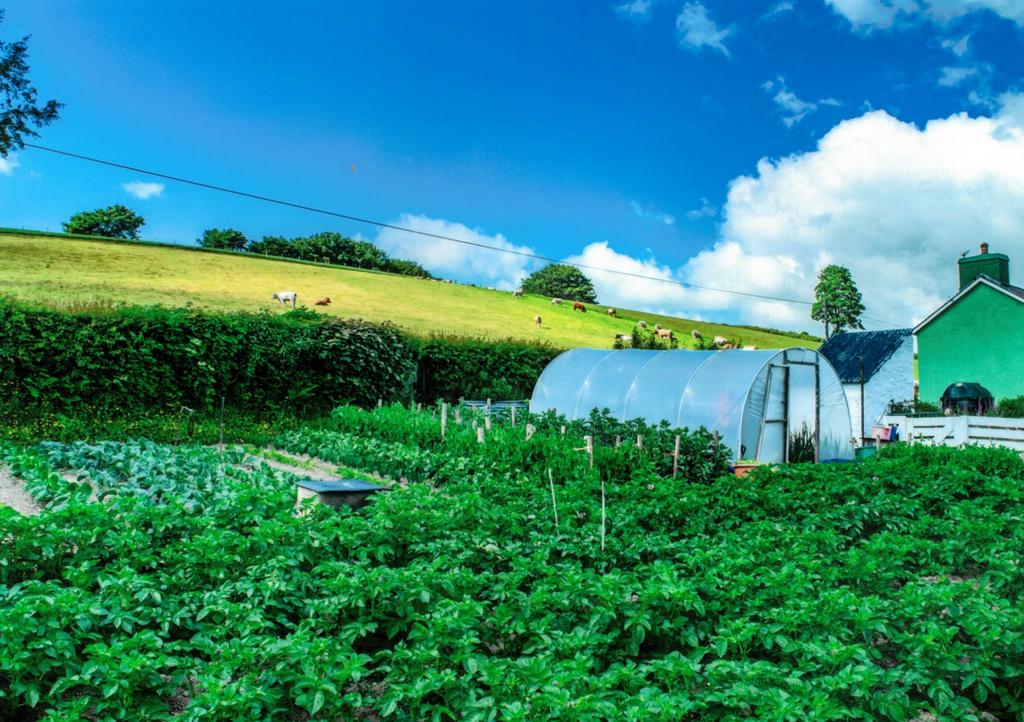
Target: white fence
pixel 960 430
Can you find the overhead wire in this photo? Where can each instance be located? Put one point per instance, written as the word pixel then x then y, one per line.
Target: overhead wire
pixel 415 231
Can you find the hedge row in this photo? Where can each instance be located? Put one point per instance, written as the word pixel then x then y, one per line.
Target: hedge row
pixel 162 359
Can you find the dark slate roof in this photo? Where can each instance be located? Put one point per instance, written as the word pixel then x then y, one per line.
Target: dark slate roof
pixel 845 350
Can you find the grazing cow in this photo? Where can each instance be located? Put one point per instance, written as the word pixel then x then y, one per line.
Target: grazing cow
pixel 665 333
pixel 641 324
pixel 323 302
pixel 720 341
pixel 611 312
pixel 577 306
pixel 286 297
pixel 518 293
pixel 536 320
pixel 556 302
pixel 696 335
pixel 624 337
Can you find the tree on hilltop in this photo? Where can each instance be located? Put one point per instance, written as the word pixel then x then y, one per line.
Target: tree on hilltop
pixel 227 239
pixel 115 221
pixel 837 302
pixel 561 281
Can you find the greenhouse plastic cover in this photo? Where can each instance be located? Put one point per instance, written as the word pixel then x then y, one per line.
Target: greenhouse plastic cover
pixel 736 392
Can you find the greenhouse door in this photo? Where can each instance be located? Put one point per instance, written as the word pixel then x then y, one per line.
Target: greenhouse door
pixel 789 417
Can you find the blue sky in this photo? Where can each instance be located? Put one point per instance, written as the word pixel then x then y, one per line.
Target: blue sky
pixel 727 143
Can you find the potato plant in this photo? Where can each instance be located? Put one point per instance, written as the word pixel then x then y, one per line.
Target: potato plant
pixel 174 585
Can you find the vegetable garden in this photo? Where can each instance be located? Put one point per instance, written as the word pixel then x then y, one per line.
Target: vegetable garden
pixel 180 583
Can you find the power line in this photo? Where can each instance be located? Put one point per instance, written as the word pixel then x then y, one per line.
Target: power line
pixel 403 229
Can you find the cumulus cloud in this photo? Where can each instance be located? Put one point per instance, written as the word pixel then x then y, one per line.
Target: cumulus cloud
pixel 957 47
pixel 895 202
pixel 697 29
pixel 143 190
pixel 793 108
pixel 458 261
pixel 634 10
pixel 780 8
pixel 615 289
pixel 872 14
pixel 8 164
pixel 651 212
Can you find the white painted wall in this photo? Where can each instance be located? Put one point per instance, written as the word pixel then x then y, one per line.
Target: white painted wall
pixel 894 381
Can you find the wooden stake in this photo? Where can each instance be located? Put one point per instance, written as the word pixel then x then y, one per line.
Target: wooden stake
pixel 380 403
pixel 488 407
pixel 419 407
pixel 675 459
pixel 554 504
pixel 444 419
pixel 530 430
pixel 590 449
pixel 458 415
pixel 487 423
pixel 618 441
pixel 480 435
pixel 221 443
pixel 639 441
pixel 513 415
pixel 563 429
pixel 604 515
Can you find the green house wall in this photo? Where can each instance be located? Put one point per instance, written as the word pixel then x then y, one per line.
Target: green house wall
pixel 979 338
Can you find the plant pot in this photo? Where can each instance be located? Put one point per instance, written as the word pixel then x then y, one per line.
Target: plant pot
pixel 742 468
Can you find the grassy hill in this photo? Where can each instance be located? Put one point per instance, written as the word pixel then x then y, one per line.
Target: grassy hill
pixel 65 272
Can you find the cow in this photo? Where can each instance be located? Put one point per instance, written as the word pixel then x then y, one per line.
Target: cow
pixel 286 297
pixel 611 312
pixel 518 293
pixel 323 302
pixel 536 320
pixel 577 306
pixel 696 335
pixel 556 302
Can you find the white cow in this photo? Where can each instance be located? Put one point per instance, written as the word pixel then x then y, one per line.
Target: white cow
pixel 286 297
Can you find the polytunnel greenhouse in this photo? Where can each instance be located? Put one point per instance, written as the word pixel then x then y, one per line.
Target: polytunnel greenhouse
pixel 768 406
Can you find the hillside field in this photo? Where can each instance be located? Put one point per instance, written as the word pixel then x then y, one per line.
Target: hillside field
pixel 64 272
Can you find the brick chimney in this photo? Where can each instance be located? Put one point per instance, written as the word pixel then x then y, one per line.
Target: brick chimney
pixel 994 265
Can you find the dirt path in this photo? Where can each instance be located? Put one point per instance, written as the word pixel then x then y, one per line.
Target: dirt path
pixel 13 494
pixel 314 471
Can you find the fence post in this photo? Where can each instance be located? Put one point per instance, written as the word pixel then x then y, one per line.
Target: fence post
pixel 444 419
pixel 487 423
pixel 675 459
pixel 480 435
pixel 513 415
pixel 618 441
pixel 639 441
pixel 530 430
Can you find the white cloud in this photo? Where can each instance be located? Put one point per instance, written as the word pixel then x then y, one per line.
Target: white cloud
pixel 873 14
pixel 957 47
pixel 614 289
pixel 706 210
pixel 779 8
pixel 143 190
pixel 697 29
pixel 635 10
pixel 457 261
pixel 649 211
pixel 954 76
pixel 793 108
pixel 8 164
pixel 894 202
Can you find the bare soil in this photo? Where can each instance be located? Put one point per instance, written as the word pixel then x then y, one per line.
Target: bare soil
pixel 13 494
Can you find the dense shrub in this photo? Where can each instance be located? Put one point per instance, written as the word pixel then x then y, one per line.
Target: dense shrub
pixel 154 358
pixel 452 367
pixel 1011 408
pixel 334 248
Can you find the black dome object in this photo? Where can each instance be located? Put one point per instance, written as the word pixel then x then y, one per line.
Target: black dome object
pixel 967 397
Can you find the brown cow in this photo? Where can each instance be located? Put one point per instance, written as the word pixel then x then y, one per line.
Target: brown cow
pixel 577 306
pixel 323 302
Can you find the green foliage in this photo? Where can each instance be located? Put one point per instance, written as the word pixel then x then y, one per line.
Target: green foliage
pixel 115 221
pixel 155 359
pixel 558 280
pixel 227 239
pixel 334 248
pixel 837 302
pixel 888 590
pixel 20 112
pixel 451 367
pixel 1011 408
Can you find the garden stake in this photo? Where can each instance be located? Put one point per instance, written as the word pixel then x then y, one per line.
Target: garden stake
pixel 380 403
pixel 487 423
pixel 530 429
pixel 513 415
pixel 618 441
pixel 675 459
pixel 220 444
pixel 419 407
pixel 554 504
pixel 458 416
pixel 480 435
pixel 444 418
pixel 639 441
pixel 563 429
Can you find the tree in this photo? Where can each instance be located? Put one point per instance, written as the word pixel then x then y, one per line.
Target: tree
pixel 837 302
pixel 562 281
pixel 19 110
pixel 113 222
pixel 227 239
